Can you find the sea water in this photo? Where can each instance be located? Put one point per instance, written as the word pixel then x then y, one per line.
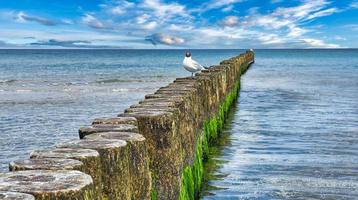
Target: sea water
pixel 294 134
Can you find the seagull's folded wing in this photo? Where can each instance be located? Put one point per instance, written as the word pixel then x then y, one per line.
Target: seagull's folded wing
pixel 197 65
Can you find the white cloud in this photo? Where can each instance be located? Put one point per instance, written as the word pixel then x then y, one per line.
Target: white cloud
pixel 314 43
pixel 288 16
pixel 230 21
pixel 340 38
pixel 267 21
pixel 93 22
pixel 354 5
pixel 228 8
pixel 295 32
pixel 159 38
pixel 166 10
pixel 142 18
pixel 67 21
pixel 210 34
pixel 150 25
pixel 302 11
pixel 117 10
pixel 323 13
pixel 351 26
pixel 285 24
pixel 121 7
pixel 22 17
pixel 215 4
pixel 271 39
pixel 18 35
pixel 118 7
pixel 176 27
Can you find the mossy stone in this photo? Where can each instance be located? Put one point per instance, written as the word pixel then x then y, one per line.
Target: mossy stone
pixel 89 157
pixel 138 161
pixel 97 128
pixel 114 163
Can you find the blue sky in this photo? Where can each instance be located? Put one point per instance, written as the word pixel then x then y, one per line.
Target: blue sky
pixel 178 24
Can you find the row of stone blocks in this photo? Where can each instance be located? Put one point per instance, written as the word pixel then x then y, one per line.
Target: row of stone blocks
pixel 113 161
pixel 106 163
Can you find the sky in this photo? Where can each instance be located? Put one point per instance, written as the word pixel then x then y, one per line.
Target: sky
pixel 162 24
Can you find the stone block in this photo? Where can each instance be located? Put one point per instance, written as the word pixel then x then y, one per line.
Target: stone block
pixel 50 185
pixel 114 163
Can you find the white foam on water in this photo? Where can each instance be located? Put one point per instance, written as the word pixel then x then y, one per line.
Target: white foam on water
pixel 120 90
pixel 23 90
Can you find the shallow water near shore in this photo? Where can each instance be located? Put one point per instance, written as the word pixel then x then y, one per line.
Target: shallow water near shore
pixel 294 134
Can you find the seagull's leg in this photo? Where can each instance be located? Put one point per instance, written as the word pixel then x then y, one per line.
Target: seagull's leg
pixel 192 74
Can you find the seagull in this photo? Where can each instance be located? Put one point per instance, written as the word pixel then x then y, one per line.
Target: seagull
pixel 191 65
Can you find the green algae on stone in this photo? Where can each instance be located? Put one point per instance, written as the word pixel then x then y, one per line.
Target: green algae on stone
pixel 153 194
pixel 192 176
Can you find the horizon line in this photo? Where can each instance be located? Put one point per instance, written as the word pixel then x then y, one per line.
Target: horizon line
pixel 342 48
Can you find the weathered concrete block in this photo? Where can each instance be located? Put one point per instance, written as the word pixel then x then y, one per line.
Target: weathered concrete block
pixel 164 147
pixel 184 83
pixel 169 96
pixel 90 159
pixel 15 196
pixel 46 164
pixel 174 92
pixel 114 162
pixel 138 161
pixel 116 121
pixel 205 92
pixel 50 185
pixel 97 128
pixel 178 87
pixel 153 108
pixel 185 79
pixel 143 113
pixel 155 103
pixel 176 101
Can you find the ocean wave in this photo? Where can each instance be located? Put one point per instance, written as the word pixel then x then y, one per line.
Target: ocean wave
pixel 114 80
pixel 137 79
pixel 20 90
pixel 133 80
pixel 7 81
pixel 57 102
pixel 120 90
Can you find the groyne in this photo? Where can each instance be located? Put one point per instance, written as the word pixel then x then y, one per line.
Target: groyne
pixel 153 150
